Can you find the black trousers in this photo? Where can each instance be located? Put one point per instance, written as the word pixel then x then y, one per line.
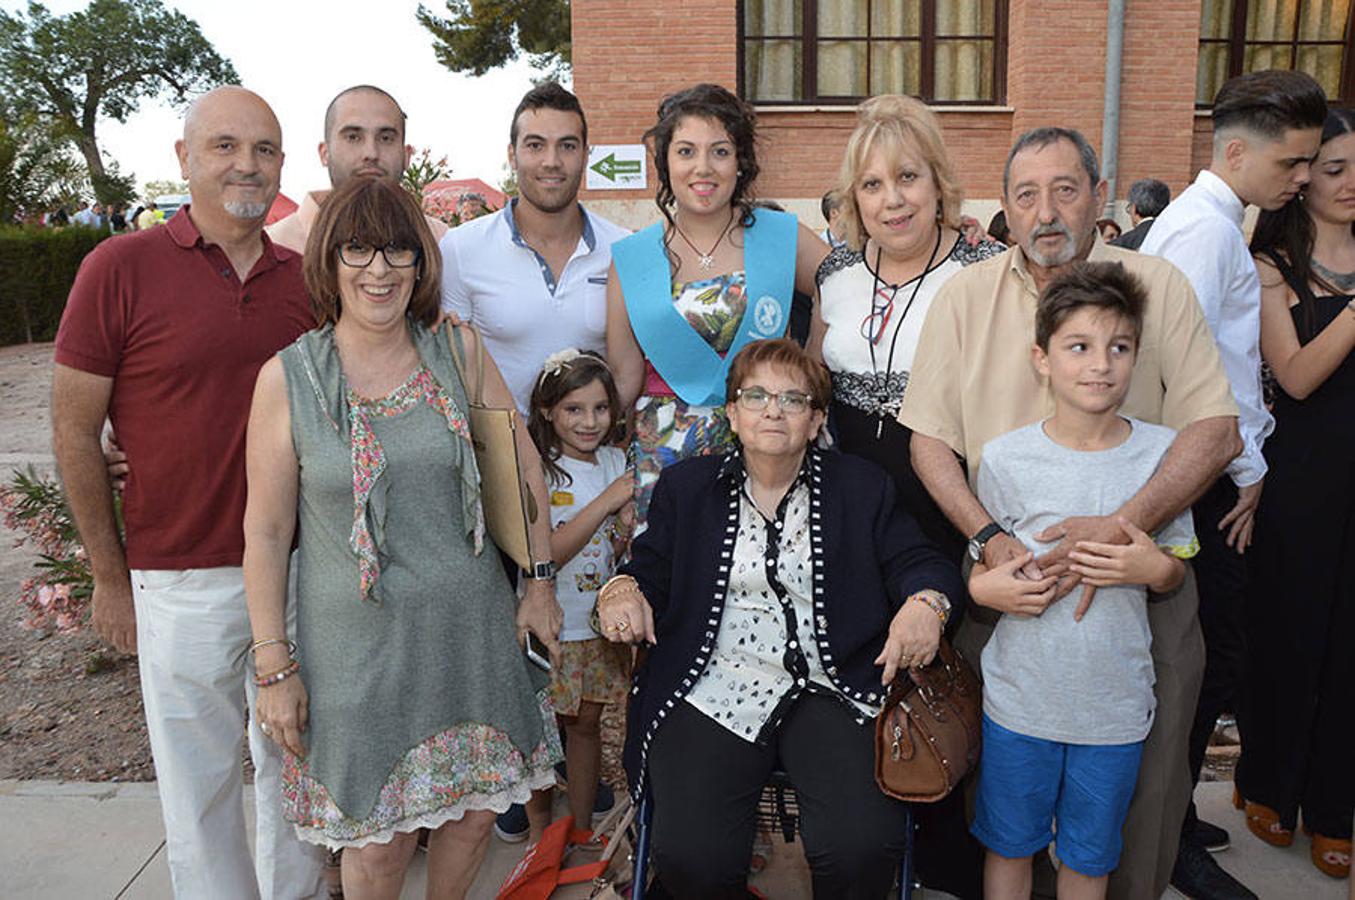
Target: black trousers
pixel 705 783
pixel 1222 576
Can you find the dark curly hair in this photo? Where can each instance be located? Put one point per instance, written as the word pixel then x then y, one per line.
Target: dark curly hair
pixel 707 101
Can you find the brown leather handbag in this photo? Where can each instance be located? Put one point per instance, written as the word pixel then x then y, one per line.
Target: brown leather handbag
pixel 928 735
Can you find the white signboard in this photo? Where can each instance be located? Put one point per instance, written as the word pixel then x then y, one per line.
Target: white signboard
pixel 616 167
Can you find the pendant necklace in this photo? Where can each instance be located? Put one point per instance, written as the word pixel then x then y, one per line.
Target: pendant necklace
pixel 882 387
pixel 706 261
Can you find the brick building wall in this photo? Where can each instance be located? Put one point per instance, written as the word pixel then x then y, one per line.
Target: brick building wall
pixel 629 53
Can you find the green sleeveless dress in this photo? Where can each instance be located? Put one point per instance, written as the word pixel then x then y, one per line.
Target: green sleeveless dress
pixel 422 706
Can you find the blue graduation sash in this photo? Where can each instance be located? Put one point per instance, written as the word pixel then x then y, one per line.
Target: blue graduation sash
pixel 689 365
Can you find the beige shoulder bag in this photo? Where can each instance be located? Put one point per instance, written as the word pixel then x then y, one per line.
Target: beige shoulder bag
pixel 510 508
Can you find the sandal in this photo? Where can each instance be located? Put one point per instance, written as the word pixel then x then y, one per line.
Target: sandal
pixel 1331 856
pixel 1264 822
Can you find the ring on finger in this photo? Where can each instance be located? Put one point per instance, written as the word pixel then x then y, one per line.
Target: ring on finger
pixel 622 625
pixel 263 726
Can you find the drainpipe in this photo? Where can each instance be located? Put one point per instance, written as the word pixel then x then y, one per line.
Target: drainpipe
pixel 1110 119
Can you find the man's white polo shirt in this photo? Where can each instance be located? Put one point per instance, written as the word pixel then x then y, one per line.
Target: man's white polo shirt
pixel 494 280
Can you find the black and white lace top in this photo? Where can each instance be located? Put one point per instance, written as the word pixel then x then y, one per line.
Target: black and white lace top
pixel 845 281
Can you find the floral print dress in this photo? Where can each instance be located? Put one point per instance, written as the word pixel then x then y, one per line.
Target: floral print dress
pixel 666 428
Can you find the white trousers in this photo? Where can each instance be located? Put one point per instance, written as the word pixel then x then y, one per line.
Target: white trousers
pixel 193 640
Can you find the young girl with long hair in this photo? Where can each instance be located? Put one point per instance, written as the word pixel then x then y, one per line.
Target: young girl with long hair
pixel 574 410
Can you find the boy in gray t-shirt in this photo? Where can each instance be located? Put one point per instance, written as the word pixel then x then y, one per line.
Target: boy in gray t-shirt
pixel 1068 698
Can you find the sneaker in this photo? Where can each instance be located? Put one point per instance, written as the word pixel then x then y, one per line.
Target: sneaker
pixel 1210 837
pixel 1200 877
pixel 512 826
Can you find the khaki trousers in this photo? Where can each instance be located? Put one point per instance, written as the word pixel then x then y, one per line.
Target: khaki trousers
pixel 1152 830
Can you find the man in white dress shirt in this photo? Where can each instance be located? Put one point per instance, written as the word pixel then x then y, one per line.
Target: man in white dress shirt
pixel 1267 128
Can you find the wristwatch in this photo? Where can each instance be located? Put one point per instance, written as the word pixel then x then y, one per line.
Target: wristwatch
pixel 541 571
pixel 980 540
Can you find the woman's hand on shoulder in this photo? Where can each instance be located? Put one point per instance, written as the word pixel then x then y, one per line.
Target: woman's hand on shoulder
pixel 914 635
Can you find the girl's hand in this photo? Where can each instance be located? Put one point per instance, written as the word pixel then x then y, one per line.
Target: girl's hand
pixel 1001 587
pixel 539 613
pixel 914 635
pixel 621 491
pixel 1139 562
pixel 281 711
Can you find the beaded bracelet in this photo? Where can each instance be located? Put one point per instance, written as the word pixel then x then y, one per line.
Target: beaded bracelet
pixel 281 675
pixel 266 642
pixel 933 601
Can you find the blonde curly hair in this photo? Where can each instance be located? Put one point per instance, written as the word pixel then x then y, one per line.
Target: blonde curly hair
pixel 893 123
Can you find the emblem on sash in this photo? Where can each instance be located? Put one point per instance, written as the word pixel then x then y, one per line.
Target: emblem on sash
pixel 767 317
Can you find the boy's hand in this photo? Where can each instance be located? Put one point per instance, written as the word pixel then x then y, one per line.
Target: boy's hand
pixel 1138 562
pixel 1003 589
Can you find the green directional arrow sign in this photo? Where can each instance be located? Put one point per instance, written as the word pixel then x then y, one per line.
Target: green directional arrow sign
pixel 609 167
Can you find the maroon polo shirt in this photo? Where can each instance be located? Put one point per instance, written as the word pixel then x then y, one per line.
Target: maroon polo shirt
pixel 164 315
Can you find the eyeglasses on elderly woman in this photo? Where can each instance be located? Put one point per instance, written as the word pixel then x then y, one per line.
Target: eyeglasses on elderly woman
pixel 756 398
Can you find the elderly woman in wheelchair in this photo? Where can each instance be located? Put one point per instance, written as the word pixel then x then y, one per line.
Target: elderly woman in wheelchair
pixel 776 589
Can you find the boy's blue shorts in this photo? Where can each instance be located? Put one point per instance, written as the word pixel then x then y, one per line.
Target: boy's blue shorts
pixel 1027 784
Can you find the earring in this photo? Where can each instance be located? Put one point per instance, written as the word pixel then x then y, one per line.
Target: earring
pixel 739 173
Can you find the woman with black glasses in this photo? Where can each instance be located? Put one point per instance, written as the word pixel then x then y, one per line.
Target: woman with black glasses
pixel 779 588
pixel 405 702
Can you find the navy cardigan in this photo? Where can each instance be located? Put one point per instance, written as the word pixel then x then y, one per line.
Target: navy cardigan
pixel 868 557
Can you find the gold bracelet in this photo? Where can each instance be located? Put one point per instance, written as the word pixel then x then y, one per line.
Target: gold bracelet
pixel 615 584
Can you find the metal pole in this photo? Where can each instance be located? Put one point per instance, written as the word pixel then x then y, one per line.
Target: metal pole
pixel 1110 120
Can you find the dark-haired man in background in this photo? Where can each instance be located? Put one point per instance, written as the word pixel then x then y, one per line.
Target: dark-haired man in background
pixel 1267 128
pixel 1147 198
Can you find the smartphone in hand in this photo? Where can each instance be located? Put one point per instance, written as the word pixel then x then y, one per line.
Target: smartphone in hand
pixel 537 654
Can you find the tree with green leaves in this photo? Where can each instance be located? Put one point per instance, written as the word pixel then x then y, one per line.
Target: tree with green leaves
pixel 37 169
pixel 102 61
pixel 479 35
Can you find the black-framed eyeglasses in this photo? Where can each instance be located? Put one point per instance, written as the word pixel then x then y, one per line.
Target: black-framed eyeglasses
pixel 756 398
pixel 360 255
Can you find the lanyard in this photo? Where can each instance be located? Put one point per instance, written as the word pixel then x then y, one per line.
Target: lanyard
pixel 882 386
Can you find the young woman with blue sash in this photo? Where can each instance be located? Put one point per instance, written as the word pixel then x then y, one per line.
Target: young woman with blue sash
pixel 687 293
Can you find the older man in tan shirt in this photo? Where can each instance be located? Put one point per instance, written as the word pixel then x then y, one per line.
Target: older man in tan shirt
pixel 364 137
pixel 973 380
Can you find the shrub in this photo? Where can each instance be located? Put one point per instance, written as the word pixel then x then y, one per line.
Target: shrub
pixel 37 269
pixel 58 594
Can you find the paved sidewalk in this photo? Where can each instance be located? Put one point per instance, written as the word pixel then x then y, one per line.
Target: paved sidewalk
pixel 104 841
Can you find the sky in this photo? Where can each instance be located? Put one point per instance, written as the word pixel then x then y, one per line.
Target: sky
pixel 297 54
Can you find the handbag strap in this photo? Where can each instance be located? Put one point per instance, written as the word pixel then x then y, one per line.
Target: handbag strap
pixel 475 389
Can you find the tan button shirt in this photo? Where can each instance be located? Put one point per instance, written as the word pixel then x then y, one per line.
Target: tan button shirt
pixel 973 379
pixel 292 231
